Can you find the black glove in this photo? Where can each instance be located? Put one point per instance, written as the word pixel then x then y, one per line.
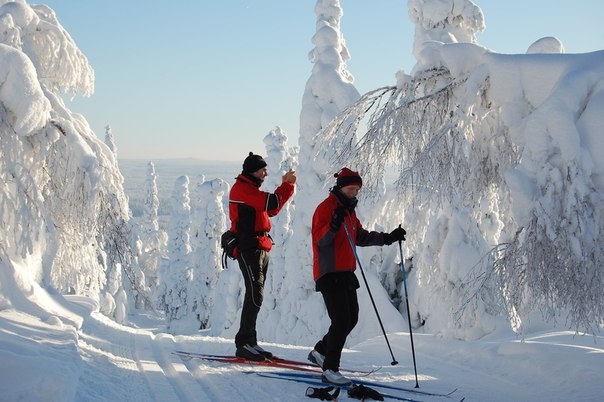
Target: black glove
pixel 362 392
pixel 397 234
pixel 337 218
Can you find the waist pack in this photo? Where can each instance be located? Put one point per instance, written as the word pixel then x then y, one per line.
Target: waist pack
pixel 228 242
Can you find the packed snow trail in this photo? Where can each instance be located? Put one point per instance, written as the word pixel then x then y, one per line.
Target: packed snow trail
pixel 128 363
pixel 143 366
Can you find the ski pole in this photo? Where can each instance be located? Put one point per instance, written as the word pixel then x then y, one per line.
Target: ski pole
pixel 354 250
pixel 400 247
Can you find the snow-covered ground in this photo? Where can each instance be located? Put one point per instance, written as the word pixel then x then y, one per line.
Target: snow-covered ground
pixel 81 355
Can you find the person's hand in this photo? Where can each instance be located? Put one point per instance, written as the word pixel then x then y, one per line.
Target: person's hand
pixel 337 218
pixel 397 234
pixel 290 177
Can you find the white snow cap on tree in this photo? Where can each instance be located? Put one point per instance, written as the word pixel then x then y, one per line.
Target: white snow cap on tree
pixel 330 47
pixel 35 49
pixel 20 92
pixel 548 44
pixel 442 22
pixel 35 31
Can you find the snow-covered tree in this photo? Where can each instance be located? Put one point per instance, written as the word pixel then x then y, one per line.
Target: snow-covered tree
pixel 109 140
pixel 279 159
pixel 153 239
pixel 114 299
pixel 440 22
pixel 176 273
pixel 328 92
pixel 63 202
pixel 502 199
pixel 209 224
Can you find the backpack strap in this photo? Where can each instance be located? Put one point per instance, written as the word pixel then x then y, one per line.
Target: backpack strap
pixel 224 259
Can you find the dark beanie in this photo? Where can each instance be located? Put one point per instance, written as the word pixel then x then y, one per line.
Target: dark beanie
pixel 346 177
pixel 253 163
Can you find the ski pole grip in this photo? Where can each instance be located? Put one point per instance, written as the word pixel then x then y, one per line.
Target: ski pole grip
pixel 400 225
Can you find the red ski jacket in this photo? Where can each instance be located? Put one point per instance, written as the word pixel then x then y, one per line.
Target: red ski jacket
pixel 250 210
pixel 332 252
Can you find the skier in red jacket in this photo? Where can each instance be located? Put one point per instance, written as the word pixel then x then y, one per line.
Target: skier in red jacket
pixel 334 263
pixel 250 210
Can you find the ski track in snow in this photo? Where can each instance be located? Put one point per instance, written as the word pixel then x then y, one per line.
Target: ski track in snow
pixel 110 351
pixel 141 366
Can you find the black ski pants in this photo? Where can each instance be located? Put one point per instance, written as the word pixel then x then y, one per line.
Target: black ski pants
pixel 343 310
pixel 254 265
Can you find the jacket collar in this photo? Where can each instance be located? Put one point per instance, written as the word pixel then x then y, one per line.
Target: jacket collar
pixel 246 177
pixel 349 203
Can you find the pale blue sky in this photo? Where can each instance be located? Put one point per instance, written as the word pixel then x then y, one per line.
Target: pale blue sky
pixel 209 79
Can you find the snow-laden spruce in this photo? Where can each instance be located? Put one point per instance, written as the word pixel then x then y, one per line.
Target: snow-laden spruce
pixel 209 222
pixel 153 241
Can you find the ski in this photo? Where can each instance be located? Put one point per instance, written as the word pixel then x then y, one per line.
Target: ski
pixel 317 382
pixel 240 360
pixel 314 377
pixel 274 359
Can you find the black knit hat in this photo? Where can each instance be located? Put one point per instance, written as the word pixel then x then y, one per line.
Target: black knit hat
pixel 253 163
pixel 346 177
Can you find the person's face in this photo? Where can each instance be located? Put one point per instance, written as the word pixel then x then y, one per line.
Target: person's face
pixel 351 190
pixel 261 173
